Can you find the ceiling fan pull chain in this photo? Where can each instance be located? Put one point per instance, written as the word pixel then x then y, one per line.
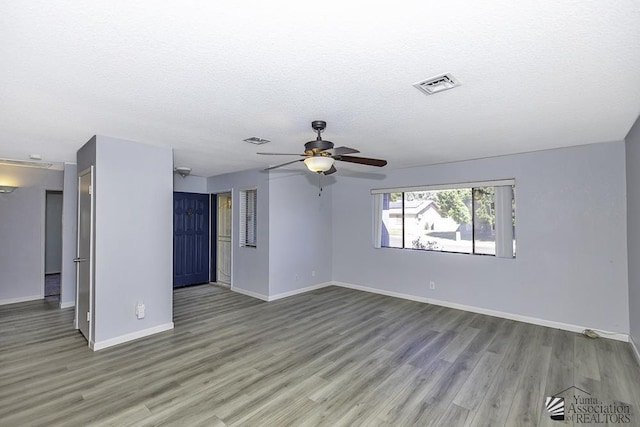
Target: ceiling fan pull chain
pixel 320 184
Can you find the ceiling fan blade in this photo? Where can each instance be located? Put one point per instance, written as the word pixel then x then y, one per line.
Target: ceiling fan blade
pixel 330 171
pixel 339 151
pixel 283 164
pixel 281 154
pixel 363 160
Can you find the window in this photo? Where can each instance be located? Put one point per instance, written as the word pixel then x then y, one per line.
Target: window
pixel 472 218
pixel 248 219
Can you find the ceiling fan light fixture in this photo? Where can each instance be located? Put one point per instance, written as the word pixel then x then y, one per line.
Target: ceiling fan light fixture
pixel 7 189
pixel 319 163
pixel 182 171
pixel 319 155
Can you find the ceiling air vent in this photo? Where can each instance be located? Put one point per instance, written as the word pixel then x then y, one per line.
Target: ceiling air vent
pixel 26 163
pixel 437 84
pixel 256 140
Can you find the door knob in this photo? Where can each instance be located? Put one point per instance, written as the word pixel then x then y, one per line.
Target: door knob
pixel 79 259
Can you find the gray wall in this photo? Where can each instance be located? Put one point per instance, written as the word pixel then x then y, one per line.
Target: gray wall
pixel 571 264
pixel 190 184
pixel 69 235
pixel 250 266
pixel 22 231
pixel 133 236
pixel 86 156
pixel 294 231
pixel 299 231
pixel 633 228
pixel 53 233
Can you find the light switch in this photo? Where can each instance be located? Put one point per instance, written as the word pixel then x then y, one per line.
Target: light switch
pixel 140 310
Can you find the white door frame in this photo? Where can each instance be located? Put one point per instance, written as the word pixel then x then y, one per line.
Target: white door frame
pixel 44 246
pixel 90 171
pixel 215 238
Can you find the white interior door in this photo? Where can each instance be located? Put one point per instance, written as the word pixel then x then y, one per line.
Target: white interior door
pixel 224 239
pixel 84 254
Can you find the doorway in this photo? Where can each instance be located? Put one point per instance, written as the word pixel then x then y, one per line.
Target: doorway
pixel 223 239
pixel 84 255
pixel 190 239
pixel 53 246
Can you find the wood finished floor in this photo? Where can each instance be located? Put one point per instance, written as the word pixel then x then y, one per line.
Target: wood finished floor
pixel 331 357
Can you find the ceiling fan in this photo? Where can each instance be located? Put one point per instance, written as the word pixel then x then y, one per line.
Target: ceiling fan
pixel 319 155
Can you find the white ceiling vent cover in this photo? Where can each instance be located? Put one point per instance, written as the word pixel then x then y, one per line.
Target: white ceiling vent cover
pixel 437 84
pixel 256 140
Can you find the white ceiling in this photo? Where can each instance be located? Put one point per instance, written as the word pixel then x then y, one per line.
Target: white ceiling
pixel 201 76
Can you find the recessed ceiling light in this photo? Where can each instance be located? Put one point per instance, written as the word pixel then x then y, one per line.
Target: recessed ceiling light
pixel 437 84
pixel 256 140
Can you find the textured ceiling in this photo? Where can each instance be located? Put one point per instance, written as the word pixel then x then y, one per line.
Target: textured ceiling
pixel 200 76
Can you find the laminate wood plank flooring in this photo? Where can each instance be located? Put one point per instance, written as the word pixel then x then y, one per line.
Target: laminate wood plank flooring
pixel 331 357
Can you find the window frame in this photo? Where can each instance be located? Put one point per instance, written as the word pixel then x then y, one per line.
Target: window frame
pixel 248 209
pixel 507 252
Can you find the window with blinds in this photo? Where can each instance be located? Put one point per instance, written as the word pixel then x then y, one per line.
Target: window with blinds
pixel 248 219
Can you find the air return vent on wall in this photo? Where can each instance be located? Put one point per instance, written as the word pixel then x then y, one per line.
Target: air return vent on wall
pixel 437 84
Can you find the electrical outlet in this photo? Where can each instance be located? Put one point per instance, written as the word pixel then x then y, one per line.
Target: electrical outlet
pixel 296 277
pixel 432 285
pixel 313 273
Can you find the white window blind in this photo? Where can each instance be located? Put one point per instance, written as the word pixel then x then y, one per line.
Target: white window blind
pixel 248 218
pixel 377 220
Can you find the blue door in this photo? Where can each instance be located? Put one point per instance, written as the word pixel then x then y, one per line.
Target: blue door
pixel 190 239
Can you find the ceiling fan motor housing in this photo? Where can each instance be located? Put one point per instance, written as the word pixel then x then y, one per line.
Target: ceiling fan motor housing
pixel 312 148
pixel 318 125
pixel 317 145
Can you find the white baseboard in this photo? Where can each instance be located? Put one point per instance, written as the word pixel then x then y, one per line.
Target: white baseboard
pixel 299 291
pixel 511 316
pixel 100 345
pixel 250 293
pixel 20 299
pixel 67 304
pixel 636 352
pixel 220 284
pixel 283 294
